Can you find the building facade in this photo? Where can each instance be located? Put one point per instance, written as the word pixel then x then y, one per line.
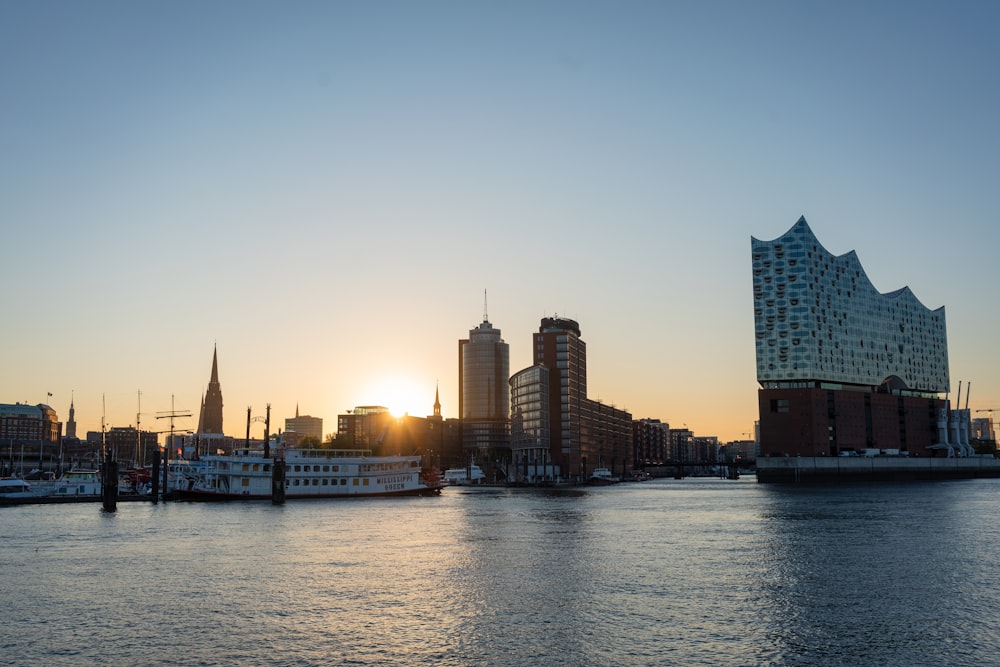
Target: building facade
pixel 841 366
pixel 484 392
pixel 530 438
pixel 132 446
pixel 29 437
pixel 651 442
pixel 365 427
pixel 302 426
pixel 552 420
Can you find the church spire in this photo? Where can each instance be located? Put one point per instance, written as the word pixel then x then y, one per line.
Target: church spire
pixel 71 424
pixel 210 420
pixel 215 365
pixel 437 401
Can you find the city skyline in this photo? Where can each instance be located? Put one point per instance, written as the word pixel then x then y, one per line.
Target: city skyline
pixel 324 192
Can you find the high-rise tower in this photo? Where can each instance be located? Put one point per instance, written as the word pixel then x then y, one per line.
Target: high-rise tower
pixel 558 347
pixel 553 421
pixel 483 390
pixel 210 420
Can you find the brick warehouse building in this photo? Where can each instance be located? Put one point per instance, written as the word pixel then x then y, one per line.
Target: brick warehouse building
pixel 842 367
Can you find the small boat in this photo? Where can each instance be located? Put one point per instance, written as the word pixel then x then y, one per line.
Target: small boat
pixel 602 477
pixel 76 482
pixel 15 488
pixel 309 473
pixel 467 476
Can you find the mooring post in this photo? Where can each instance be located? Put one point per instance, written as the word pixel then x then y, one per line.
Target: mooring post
pixel 109 484
pixel 278 481
pixel 155 478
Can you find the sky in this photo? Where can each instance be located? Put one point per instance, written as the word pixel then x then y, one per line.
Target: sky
pixel 324 191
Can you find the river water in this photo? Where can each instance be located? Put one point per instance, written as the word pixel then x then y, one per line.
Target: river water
pixel 667 572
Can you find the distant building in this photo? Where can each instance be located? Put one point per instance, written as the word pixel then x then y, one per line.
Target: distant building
pixel 842 367
pixel 210 419
pixel 303 426
pixel 372 427
pixel 982 429
pixel 71 423
pixel 651 442
pixel 28 433
pixel 132 446
pixel 365 427
pixel 741 451
pixel 582 434
pixel 682 446
pixel 484 393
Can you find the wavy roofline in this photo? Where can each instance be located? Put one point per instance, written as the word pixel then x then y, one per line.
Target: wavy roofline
pixel 903 292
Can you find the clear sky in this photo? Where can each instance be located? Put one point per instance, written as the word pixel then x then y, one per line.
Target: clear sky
pixel 325 189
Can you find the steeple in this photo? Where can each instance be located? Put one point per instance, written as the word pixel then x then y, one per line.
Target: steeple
pixel 215 365
pixel 201 415
pixel 71 424
pixel 437 402
pixel 210 420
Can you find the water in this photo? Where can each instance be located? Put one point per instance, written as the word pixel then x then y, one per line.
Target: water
pixel 692 572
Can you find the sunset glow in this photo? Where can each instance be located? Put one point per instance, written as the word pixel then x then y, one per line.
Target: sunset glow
pixel 402 395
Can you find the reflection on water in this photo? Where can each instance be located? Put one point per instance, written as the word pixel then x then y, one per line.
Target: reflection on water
pixel 708 572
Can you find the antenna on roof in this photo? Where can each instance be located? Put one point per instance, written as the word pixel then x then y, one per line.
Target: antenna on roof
pixel 485 318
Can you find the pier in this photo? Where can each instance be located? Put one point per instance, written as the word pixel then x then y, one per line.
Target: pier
pixel 819 469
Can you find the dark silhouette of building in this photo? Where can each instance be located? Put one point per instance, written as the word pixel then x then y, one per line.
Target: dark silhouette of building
pixel 210 419
pixel 372 427
pixel 71 422
pixel 132 446
pixel 651 440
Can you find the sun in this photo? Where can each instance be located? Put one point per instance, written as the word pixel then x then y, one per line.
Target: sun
pixel 403 396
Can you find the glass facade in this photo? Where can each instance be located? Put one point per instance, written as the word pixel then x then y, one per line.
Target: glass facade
pixel 817 317
pixel 529 410
pixel 484 392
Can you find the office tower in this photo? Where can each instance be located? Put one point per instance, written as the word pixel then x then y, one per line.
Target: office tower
pixel 484 392
pixel 842 367
pixel 558 347
pixel 582 434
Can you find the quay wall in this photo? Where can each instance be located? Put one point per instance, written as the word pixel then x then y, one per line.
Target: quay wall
pixel 819 469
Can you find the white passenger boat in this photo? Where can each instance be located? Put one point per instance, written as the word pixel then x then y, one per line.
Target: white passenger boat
pixel 77 482
pixel 309 473
pixel 470 475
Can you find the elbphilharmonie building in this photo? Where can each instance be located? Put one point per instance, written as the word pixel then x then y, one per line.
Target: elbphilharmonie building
pixel 842 367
